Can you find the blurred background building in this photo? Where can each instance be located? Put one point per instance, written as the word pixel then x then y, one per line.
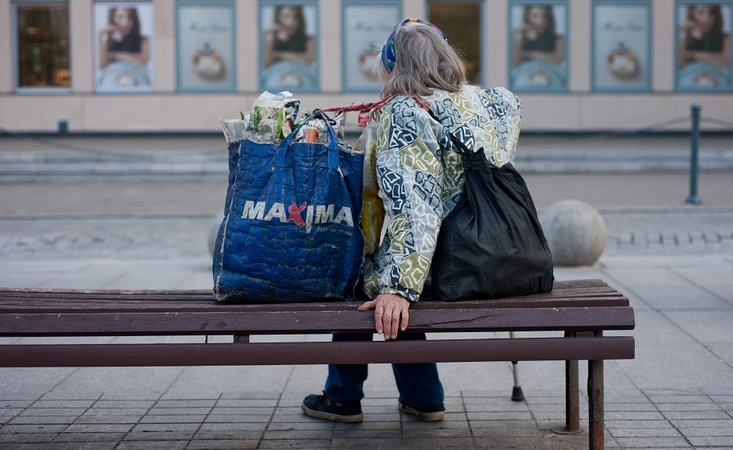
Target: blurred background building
pixel 166 66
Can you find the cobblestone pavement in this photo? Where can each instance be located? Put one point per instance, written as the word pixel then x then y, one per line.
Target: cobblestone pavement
pixel 105 236
pixel 669 232
pixel 481 420
pixel 151 235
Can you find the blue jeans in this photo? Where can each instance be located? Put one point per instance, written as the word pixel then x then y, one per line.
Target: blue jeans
pixel 417 383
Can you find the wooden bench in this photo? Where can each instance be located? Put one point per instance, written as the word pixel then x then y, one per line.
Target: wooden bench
pixel 580 311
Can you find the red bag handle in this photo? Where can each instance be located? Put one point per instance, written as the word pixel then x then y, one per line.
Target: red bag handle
pixel 363 108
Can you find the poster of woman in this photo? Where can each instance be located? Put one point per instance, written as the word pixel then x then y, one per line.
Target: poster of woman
pixel 703 46
pixel 289 47
pixel 622 46
pixel 205 46
pixel 365 28
pixel 123 46
pixel 538 39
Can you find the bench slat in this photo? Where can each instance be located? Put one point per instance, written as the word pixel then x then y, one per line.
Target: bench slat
pixel 225 321
pixel 92 304
pixel 568 286
pixel 68 299
pixel 151 301
pixel 471 350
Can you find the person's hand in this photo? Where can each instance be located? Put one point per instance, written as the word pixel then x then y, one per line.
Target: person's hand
pixel 521 32
pixel 391 314
pixel 692 29
pixel 526 31
pixel 278 33
pixel 112 32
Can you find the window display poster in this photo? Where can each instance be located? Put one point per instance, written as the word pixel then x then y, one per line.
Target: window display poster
pixel 289 47
pixel 123 46
pixel 538 37
pixel 366 28
pixel 703 46
pixel 621 47
pixel 205 52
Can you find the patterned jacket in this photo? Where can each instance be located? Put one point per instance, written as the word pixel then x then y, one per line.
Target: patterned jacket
pixel 421 178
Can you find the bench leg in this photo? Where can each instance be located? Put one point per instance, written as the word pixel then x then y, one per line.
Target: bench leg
pixel 241 338
pixel 595 405
pixel 572 400
pixel 572 397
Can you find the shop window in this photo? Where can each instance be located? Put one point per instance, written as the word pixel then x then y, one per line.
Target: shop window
pixel 704 60
pixel 538 34
pixel 366 27
pixel 289 46
pixel 42 46
pixel 461 23
pixel 622 57
pixel 205 46
pixel 124 38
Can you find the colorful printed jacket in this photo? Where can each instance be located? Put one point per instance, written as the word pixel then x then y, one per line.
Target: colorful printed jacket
pixel 421 178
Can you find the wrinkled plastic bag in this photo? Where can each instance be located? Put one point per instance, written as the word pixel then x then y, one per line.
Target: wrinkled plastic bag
pixel 372 217
pixel 272 119
pixel 273 116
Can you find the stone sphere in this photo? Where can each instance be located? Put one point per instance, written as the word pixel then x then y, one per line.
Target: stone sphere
pixel 575 232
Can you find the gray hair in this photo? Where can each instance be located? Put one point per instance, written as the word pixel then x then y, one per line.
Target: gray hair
pixel 424 61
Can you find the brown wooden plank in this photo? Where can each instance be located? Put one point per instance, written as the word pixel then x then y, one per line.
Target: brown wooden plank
pixel 249 321
pixel 151 300
pixel 571 288
pixel 112 294
pixel 468 350
pixel 95 305
pixel 560 287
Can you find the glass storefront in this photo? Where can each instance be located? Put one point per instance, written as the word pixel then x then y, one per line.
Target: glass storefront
pixel 590 62
pixel 461 23
pixel 538 34
pixel 703 46
pixel 42 46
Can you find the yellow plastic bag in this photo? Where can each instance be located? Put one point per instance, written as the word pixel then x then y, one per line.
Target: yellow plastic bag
pixel 372 216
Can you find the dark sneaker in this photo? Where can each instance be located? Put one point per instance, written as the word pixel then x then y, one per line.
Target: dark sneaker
pixel 430 414
pixel 322 407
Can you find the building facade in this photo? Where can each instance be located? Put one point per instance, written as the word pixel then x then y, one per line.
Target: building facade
pixel 96 66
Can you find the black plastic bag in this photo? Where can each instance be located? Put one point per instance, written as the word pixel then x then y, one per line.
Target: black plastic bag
pixel 491 245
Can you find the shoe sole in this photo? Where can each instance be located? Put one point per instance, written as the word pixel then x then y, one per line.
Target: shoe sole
pixel 424 416
pixel 331 416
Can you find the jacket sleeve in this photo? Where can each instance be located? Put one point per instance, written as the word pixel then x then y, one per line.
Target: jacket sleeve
pixel 505 109
pixel 409 174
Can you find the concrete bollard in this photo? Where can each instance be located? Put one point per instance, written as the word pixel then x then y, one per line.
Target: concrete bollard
pixel 575 232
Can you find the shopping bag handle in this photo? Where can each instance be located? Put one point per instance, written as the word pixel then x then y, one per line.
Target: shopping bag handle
pixel 280 159
pixel 361 106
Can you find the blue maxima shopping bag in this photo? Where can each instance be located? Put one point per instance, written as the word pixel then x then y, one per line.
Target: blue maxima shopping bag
pixel 291 230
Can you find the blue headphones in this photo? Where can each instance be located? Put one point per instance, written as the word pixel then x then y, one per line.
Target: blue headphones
pixel 389 56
